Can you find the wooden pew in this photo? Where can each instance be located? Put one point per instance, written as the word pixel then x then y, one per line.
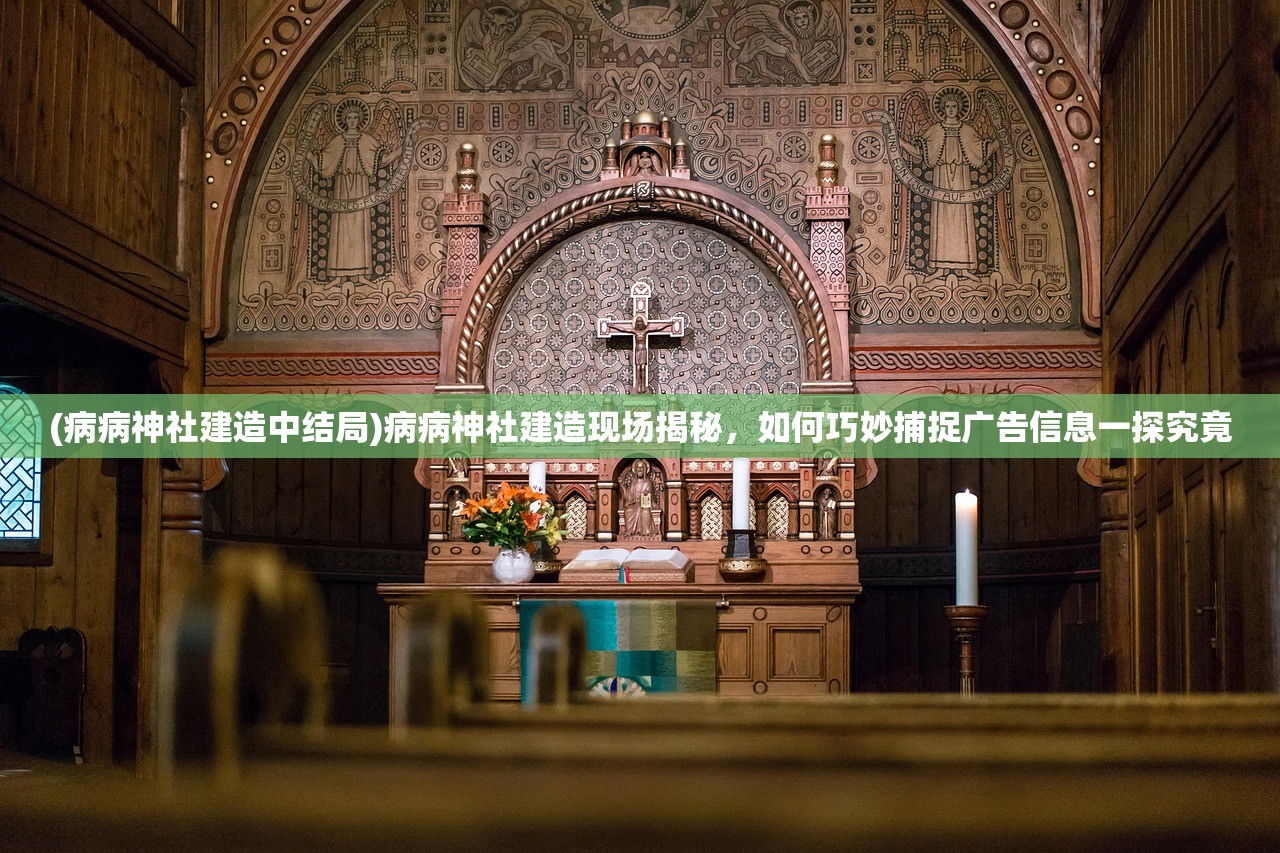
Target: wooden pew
pixel 881 773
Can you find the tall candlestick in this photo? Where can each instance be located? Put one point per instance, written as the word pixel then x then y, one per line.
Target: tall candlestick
pixel 741 493
pixel 538 476
pixel 966 548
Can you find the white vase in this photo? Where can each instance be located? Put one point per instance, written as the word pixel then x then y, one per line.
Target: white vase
pixel 513 565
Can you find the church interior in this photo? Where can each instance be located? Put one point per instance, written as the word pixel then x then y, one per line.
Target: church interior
pixel 972 198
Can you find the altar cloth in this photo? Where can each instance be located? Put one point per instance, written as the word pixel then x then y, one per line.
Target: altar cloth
pixel 638 646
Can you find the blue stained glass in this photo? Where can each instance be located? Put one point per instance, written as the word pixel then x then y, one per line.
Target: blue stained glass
pixel 20 433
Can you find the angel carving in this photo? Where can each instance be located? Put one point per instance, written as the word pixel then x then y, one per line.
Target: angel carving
pixel 351 152
pixel 801 42
pixel 506 45
pixel 955 166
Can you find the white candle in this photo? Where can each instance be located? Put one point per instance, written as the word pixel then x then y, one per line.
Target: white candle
pixel 741 494
pixel 538 476
pixel 966 548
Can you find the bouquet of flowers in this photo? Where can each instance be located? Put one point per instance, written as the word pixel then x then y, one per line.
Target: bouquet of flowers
pixel 512 518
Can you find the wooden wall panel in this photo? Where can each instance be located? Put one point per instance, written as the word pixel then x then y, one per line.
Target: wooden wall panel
pixel 902 641
pixel 1153 88
pixel 911 502
pixel 73 581
pixel 71 78
pixel 1182 511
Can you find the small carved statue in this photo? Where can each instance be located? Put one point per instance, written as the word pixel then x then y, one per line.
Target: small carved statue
pixel 456 468
pixel 827 464
pixel 454 505
pixel 827 514
pixel 638 498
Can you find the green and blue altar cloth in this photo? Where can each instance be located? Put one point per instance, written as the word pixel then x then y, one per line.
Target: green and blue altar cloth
pixel 637 646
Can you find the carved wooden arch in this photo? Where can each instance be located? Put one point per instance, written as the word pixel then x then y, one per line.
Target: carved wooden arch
pixel 573 490
pixel 260 81
pixel 697 493
pixel 465 348
pixel 783 490
pixel 1190 313
pixel 1225 280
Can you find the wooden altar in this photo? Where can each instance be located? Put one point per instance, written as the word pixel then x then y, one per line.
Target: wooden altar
pixel 789 636
pixel 652 281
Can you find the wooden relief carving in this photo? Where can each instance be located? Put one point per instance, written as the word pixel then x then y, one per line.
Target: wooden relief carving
pixel 737 333
pixel 640 493
pixel 957 208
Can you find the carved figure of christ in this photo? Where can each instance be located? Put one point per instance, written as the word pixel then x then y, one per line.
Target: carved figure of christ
pixel 639 327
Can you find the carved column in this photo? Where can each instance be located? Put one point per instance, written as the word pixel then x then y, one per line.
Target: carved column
pixel 845 489
pixel 807 524
pixel 1256 28
pixel 1116 591
pixel 826 207
pixel 463 217
pixel 676 510
pixel 606 512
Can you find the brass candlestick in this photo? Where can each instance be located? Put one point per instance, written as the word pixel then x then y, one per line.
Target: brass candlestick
pixel 546 568
pixel 966 628
pixel 742 561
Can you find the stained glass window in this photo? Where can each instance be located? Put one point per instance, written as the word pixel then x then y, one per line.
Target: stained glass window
pixel 19 466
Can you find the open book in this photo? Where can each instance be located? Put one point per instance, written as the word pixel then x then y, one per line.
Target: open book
pixel 618 565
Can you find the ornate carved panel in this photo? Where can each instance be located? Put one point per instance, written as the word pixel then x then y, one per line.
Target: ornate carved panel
pixel 779 513
pixel 712 518
pixel 959 206
pixel 575 517
pixel 739 335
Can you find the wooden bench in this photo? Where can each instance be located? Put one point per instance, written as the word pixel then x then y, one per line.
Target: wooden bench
pixel 881 773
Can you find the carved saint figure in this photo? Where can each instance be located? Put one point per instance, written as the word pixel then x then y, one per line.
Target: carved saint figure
pixel 827 514
pixel 638 498
pixel 952 149
pixel 456 467
pixel 954 169
pixel 827 464
pixel 506 45
pixel 351 160
pixel 457 498
pixel 802 42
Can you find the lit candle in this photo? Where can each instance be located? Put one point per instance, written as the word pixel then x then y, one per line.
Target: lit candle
pixel 741 494
pixel 966 548
pixel 538 476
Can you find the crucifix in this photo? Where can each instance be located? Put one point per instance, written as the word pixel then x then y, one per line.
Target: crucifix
pixel 640 327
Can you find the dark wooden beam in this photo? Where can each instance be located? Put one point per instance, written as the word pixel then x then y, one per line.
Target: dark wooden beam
pixel 150 32
pixel 59 265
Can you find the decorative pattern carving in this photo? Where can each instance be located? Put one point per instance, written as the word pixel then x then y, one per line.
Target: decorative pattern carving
pixel 575 517
pixel 423 366
pixel 778 510
pixel 738 331
pixel 711 520
pixel 943 359
pixel 679 60
pixel 672 200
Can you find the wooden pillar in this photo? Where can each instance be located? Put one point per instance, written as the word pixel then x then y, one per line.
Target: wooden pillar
pixel 1256 30
pixel 1116 591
